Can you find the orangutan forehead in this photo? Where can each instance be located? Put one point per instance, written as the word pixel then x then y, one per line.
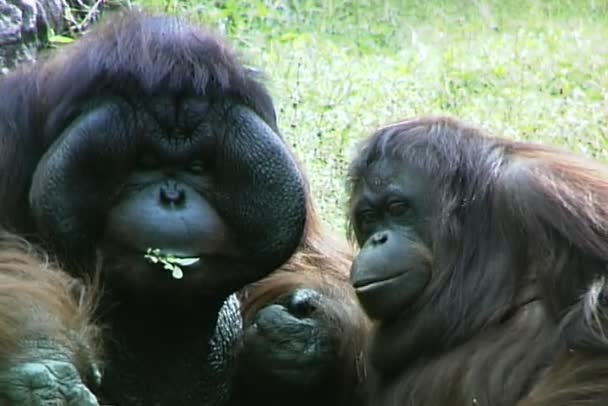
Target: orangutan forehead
pixel 385 170
pixel 378 175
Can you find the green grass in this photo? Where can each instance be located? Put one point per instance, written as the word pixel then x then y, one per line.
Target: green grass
pixel 533 70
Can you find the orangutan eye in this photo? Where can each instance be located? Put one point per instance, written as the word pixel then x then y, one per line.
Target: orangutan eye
pixel 399 208
pixel 147 161
pixel 196 167
pixel 366 217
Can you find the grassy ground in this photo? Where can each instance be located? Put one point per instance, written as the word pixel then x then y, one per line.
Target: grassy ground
pixel 535 70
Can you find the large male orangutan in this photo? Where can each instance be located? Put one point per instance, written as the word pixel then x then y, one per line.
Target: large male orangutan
pixel 146 161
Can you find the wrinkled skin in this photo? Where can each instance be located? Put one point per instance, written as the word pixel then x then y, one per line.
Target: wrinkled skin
pixel 304 333
pixel 299 341
pixel 45 382
pixel 149 133
pixel 291 345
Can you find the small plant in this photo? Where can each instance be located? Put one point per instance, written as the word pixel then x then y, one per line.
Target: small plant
pixel 170 262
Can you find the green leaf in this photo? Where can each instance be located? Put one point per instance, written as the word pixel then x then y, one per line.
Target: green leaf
pixel 186 261
pixel 60 39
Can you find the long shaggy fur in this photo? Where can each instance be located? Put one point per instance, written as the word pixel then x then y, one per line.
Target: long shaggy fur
pixel 515 312
pixel 38 301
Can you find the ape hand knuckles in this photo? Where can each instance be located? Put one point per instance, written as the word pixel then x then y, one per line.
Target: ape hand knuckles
pixel 48 349
pixel 304 331
pixel 30 384
pixel 487 280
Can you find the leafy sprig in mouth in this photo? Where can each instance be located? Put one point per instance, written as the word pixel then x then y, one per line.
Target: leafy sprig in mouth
pixel 170 262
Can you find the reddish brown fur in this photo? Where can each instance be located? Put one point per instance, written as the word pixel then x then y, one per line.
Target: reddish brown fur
pixel 320 256
pixel 39 301
pixel 516 313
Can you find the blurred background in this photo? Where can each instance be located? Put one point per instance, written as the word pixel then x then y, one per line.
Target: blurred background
pixel 526 69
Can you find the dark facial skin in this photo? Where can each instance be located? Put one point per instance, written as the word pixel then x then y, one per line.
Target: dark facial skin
pixel 169 212
pixel 170 174
pixel 390 215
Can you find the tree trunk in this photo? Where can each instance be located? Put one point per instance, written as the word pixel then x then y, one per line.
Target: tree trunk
pixel 26 25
